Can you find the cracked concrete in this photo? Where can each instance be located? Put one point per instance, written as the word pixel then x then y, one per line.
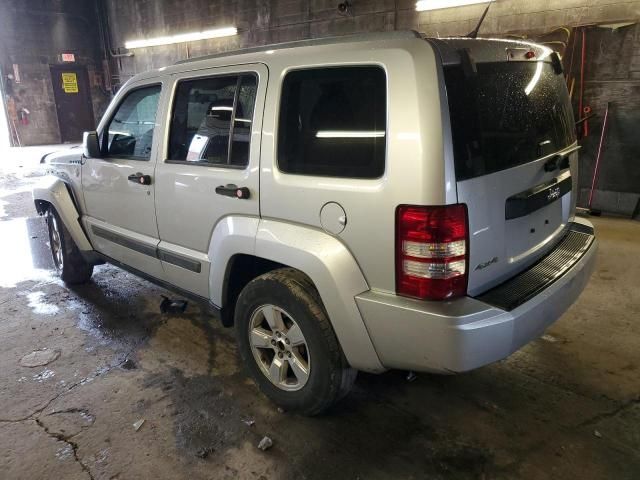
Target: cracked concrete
pixel 61 437
pixel 531 416
pixel 621 408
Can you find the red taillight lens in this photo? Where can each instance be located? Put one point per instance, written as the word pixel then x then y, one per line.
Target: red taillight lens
pixel 431 251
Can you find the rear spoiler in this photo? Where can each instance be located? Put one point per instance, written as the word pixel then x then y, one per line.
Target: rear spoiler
pixel 468 51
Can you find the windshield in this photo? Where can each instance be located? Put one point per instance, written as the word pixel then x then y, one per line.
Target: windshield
pixel 508 114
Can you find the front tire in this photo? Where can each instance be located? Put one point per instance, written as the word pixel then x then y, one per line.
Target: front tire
pixel 287 343
pixel 68 260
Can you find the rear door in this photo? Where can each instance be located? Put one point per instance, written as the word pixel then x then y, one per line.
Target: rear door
pixel 120 215
pixel 515 157
pixel 212 150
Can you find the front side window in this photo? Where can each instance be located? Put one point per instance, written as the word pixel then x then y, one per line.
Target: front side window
pixel 211 121
pixel 130 132
pixel 333 122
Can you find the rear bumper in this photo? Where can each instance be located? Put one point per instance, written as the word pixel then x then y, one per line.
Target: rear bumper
pixel 467 333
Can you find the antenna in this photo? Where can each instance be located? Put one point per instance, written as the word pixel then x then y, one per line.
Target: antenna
pixel 474 32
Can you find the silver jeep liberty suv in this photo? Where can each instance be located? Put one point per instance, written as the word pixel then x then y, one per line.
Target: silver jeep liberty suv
pixel 383 201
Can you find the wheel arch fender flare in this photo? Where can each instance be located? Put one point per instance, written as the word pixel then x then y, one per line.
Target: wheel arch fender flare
pixel 53 190
pixel 322 257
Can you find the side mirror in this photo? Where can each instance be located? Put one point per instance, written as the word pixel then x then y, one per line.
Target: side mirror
pixel 91 145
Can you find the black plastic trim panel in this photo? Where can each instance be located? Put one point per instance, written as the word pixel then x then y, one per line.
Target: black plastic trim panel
pixel 524 203
pixel 526 285
pixel 582 228
pixel 125 242
pixel 161 283
pixel 165 256
pixel 179 260
pixel 195 163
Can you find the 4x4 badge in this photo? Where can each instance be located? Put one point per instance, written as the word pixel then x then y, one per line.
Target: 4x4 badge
pixel 553 193
pixel 487 263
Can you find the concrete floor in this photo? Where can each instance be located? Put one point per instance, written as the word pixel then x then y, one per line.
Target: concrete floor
pixel 565 406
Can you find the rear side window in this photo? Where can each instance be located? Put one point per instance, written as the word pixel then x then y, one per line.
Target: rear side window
pixel 509 114
pixel 130 132
pixel 333 122
pixel 211 120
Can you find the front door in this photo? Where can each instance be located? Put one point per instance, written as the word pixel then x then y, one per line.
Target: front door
pixel 119 187
pixel 73 101
pixel 213 141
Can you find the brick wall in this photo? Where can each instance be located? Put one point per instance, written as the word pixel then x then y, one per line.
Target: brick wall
pixel 262 22
pixel 612 68
pixel 612 75
pixel 33 34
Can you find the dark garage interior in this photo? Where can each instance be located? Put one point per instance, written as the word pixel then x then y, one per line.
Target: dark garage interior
pixel 104 379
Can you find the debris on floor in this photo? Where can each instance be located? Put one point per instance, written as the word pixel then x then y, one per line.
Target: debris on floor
pixel 249 422
pixel 138 424
pixel 46 374
pixel 171 306
pixel 265 444
pixel 129 365
pixel 204 452
pixel 411 376
pixel 39 358
pixel 597 433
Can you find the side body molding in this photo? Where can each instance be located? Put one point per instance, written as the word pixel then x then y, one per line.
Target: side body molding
pixel 322 257
pixel 54 190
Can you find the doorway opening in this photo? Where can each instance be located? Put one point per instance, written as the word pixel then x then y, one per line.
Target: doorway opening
pixel 73 101
pixel 5 140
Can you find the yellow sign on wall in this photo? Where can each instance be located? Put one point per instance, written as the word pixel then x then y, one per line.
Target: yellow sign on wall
pixel 69 83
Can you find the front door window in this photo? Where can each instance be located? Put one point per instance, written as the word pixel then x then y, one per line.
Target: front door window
pixel 130 132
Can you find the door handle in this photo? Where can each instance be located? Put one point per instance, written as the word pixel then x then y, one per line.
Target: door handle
pixel 139 178
pixel 231 190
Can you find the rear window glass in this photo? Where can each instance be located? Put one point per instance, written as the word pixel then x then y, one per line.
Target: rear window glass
pixel 333 122
pixel 509 114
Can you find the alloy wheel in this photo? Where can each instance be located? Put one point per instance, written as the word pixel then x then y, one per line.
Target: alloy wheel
pixel 55 238
pixel 279 347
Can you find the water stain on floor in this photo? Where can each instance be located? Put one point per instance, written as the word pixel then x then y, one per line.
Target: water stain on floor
pixel 24 252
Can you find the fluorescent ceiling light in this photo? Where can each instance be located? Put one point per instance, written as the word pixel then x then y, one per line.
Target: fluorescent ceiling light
pixel 349 134
pixel 182 37
pixel 424 5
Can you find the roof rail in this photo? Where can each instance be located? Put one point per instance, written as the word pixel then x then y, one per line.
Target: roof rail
pixel 361 37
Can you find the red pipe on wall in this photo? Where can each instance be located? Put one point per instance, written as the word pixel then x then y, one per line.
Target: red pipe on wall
pixel 597 167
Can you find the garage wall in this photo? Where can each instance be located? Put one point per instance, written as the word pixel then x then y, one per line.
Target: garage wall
pixel 612 75
pixel 263 22
pixel 33 35
pixel 612 72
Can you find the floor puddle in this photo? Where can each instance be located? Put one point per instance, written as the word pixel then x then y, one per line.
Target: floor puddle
pixel 24 252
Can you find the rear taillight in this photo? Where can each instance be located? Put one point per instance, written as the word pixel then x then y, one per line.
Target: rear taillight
pixel 431 251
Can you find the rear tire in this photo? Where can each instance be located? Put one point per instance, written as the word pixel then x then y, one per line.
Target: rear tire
pixel 69 262
pixel 287 343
